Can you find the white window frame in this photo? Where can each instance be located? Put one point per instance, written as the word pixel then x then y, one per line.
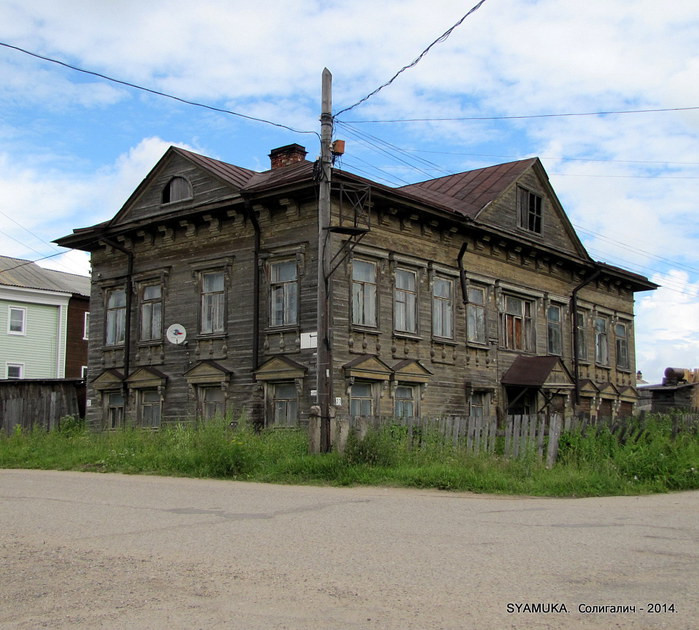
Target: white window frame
pixel 212 305
pixel 23 329
pixel 405 299
pixel 405 401
pixel 601 339
pixel 115 319
pixel 283 293
pixel 361 401
pixel 150 409
pixel 364 294
pixel 475 315
pixel 285 404
pixel 86 326
pixel 443 309
pixel 522 340
pixel 623 358
pixel 530 210
pixel 151 313
pixel 554 330
pixel 19 366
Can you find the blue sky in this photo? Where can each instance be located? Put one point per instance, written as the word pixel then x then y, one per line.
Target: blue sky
pixel 73 146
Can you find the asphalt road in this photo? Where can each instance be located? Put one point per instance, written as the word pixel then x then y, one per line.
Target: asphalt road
pixel 82 550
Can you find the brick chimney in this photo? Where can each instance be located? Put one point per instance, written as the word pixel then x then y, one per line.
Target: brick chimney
pixel 289 154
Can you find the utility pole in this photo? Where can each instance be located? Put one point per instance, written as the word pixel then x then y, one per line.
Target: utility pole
pixel 324 354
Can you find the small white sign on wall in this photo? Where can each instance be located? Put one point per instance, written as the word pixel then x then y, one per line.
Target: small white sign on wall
pixel 309 340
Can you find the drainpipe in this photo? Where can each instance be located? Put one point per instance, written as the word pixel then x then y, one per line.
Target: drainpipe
pixel 255 286
pixel 576 336
pixel 462 272
pixel 129 291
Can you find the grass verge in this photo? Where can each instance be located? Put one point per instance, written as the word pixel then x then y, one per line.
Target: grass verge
pixel 644 459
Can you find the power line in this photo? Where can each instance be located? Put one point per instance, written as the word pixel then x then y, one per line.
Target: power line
pixel 443 37
pixel 520 117
pixel 156 92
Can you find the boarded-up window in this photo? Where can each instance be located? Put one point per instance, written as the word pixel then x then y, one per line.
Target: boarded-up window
pixel 177 189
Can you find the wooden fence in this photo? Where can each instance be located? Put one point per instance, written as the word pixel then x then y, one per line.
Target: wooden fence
pixel 519 436
pixel 515 437
pixel 32 403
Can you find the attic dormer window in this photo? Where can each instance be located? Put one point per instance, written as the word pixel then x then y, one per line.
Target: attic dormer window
pixel 529 207
pixel 177 189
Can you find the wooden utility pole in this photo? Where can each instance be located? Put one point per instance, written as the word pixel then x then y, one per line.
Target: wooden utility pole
pixel 324 354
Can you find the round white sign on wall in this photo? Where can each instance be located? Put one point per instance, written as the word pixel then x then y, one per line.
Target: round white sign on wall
pixel 176 334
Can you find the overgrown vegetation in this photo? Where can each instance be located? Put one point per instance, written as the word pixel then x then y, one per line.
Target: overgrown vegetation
pixel 642 458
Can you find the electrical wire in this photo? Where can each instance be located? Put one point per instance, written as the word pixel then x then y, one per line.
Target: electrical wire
pixel 156 92
pixel 443 37
pixel 519 117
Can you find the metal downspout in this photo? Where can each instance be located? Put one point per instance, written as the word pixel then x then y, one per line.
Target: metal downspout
pixel 576 336
pixel 255 286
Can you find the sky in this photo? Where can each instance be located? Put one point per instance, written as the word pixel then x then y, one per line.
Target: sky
pixel 73 146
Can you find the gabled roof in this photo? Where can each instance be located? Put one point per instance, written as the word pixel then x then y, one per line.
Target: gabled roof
pixel 230 173
pixel 541 371
pixel 469 192
pixel 15 272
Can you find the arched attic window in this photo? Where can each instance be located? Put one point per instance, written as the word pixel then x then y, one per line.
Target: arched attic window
pixel 177 189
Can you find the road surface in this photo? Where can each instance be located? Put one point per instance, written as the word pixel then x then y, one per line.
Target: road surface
pixel 84 550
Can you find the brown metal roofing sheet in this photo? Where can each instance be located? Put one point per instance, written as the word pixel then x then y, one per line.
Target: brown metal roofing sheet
pixel 529 371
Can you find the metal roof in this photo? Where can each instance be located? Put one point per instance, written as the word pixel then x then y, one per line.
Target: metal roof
pixel 15 272
pixel 469 192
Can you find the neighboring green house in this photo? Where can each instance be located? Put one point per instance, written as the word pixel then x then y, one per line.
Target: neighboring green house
pixel 43 322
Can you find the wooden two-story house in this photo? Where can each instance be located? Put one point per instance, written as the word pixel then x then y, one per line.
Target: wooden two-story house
pixel 466 294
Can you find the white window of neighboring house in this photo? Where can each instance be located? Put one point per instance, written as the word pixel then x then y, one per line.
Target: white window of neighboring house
pixel 361 400
pixel 17 321
pixel 15 370
pixel 114 409
pixel 443 308
pixel 554 329
pixel 405 402
pixel 581 324
pixel 405 301
pixel 151 312
pixel 283 293
pixel 150 408
pixel 530 213
pixel 211 402
pixel 116 317
pixel 177 189
pixel 363 293
pixel 517 324
pixel 83 372
pixel 622 346
pixel 285 404
pixel 86 327
pixel 213 302
pixel 475 315
pixel 601 340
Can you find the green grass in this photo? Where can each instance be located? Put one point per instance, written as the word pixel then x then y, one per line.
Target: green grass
pixel 645 458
